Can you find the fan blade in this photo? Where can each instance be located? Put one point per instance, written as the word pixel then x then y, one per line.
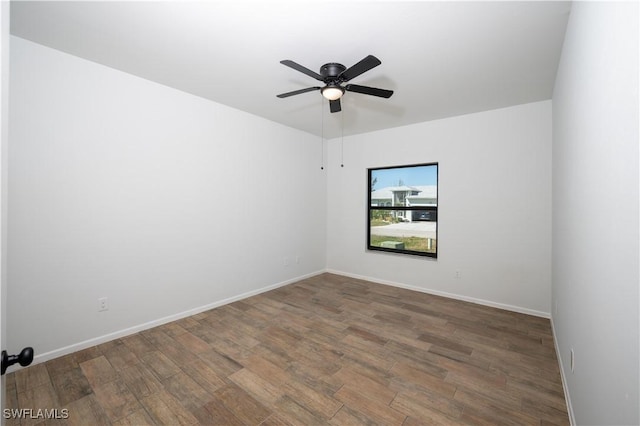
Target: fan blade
pixel 334 106
pixel 302 69
pixel 297 92
pixel 361 67
pixel 373 91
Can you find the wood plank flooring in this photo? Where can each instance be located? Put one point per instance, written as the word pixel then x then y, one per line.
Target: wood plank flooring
pixel 325 350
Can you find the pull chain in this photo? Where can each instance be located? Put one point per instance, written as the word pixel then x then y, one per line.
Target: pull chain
pixel 321 133
pixel 342 139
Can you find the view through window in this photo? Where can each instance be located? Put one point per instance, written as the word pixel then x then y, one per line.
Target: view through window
pixel 403 209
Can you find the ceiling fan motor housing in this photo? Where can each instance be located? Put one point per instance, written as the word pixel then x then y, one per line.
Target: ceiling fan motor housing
pixel 331 71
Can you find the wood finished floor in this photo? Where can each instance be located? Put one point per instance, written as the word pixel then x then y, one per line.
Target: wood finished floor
pixel 325 350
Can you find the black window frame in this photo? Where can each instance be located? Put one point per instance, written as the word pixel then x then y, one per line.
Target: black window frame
pixel 432 211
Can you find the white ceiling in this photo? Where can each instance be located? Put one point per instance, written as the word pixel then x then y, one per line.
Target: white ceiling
pixel 441 58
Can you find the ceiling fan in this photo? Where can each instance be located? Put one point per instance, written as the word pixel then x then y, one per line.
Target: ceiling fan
pixel 333 75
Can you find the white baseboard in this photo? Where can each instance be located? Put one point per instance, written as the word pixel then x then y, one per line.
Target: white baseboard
pixel 565 388
pixel 445 294
pixel 141 327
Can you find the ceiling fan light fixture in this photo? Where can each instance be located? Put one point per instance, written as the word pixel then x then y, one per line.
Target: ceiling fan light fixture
pixel 332 92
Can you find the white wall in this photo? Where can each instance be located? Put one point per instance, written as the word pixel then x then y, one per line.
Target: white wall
pixel 595 212
pixel 4 139
pixel 126 189
pixel 494 206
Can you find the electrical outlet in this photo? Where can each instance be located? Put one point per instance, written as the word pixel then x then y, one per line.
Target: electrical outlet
pixel 457 275
pixel 297 260
pixel 285 261
pixel 103 304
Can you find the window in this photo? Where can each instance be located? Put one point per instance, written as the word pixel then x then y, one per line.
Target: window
pixel 403 209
